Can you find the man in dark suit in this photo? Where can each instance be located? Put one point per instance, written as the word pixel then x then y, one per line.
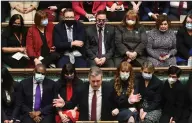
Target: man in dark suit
pixel 150 10
pixel 100 42
pixel 36 95
pixel 68 38
pixel 91 98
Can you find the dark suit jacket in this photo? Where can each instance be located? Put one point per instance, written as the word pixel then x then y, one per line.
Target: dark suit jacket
pixel 80 99
pixel 92 41
pixel 173 100
pixel 61 87
pixel 148 7
pixel 189 96
pixel 60 37
pixel 9 110
pixel 26 96
pixel 34 41
pixel 152 94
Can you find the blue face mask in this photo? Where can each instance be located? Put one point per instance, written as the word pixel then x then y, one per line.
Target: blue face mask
pixel 146 76
pixel 39 77
pixel 44 22
pixel 188 26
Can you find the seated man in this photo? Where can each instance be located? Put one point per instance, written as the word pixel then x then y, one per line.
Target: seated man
pixel 69 36
pixel 35 97
pixel 91 98
pixel 100 42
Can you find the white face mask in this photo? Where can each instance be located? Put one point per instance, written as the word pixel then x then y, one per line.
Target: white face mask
pixel 124 75
pixel 146 76
pixel 130 22
pixel 39 77
pixel 171 80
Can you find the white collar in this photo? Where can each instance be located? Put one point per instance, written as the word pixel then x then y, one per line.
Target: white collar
pixel 91 89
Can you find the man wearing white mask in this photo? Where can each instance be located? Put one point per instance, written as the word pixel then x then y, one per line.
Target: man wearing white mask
pixel 173 97
pixel 129 41
pixel 150 88
pixel 35 97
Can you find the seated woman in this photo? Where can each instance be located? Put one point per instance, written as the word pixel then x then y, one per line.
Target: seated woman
pixel 13 40
pixel 122 97
pixel 129 41
pixel 66 86
pixel 84 10
pixel 25 8
pixel 39 41
pixel 184 41
pixel 9 93
pixel 161 45
pixel 150 88
pixel 173 97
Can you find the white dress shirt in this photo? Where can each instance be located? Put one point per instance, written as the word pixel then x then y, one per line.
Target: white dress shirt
pixel 103 43
pixel 8 96
pixel 99 102
pixel 34 91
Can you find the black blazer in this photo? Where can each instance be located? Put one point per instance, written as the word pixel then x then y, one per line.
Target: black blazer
pixel 184 43
pixel 60 39
pixel 92 41
pixel 10 110
pixel 152 94
pixel 26 96
pixel 80 99
pixel 61 87
pixel 173 100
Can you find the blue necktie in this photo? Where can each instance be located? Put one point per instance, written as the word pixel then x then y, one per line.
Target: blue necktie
pixel 37 98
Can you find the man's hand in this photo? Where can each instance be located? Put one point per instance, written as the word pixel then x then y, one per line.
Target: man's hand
pixel 37 119
pixel 59 102
pixel 52 8
pixel 102 60
pixel 113 7
pixel 77 43
pixel 171 120
pixel 97 61
pixel 19 9
pixel 115 112
pixel 89 15
pixel 29 9
pixel 73 112
pixel 32 114
pixel 154 16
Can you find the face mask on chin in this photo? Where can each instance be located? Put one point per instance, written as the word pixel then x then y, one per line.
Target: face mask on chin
pixel 163 29
pixel 124 76
pixel 69 23
pixel 171 80
pixel 39 77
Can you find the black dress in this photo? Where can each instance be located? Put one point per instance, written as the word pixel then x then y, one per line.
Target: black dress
pixel 9 110
pixel 173 102
pixel 10 40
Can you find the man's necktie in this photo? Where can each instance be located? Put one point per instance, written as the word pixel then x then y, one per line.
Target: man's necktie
pixel 100 43
pixel 93 107
pixel 180 7
pixel 37 98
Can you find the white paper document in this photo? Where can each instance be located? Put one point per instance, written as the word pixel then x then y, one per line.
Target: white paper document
pixel 122 8
pixel 19 55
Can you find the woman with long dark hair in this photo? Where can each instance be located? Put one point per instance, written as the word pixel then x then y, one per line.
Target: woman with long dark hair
pixel 123 97
pixel 9 90
pixel 66 86
pixel 13 41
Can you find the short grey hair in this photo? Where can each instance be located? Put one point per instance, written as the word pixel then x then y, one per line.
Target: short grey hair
pixel 149 65
pixel 95 71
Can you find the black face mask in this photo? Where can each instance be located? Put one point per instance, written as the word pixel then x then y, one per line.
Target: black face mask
pixel 69 23
pixel 16 28
pixel 69 78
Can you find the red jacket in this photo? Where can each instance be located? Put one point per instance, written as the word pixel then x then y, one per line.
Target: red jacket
pixel 34 42
pixel 79 9
pixel 110 3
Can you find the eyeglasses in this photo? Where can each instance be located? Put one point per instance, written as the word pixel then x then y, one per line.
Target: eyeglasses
pixel 102 20
pixel 40 73
pixel 69 18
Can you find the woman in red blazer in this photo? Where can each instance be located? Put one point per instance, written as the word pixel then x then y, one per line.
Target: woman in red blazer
pixel 39 42
pixel 85 10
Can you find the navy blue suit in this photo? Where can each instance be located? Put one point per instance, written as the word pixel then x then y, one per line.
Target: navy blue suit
pixel 62 45
pixel 146 7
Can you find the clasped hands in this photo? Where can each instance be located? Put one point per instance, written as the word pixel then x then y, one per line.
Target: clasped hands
pixel 100 61
pixel 35 115
pixel 24 10
pixel 131 56
pixel 163 58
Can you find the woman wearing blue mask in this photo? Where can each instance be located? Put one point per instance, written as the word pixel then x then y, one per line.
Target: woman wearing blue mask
pixel 123 98
pixel 39 41
pixel 66 86
pixel 173 98
pixel 150 88
pixel 184 41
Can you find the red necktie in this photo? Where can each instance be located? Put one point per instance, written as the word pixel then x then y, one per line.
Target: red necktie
pixel 180 7
pixel 93 107
pixel 100 43
pixel 69 92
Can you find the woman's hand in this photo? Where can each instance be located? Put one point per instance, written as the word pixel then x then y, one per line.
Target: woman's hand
pixel 115 112
pixel 30 9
